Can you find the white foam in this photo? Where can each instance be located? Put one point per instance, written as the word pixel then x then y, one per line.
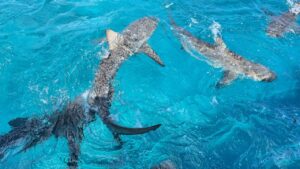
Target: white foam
pixel 295 8
pixel 169 5
pixel 85 94
pixel 290 3
pixel 214 101
pixel 189 48
pixel 194 21
pixel 215 29
pixel 84 97
pixel 44 101
pixel 103 53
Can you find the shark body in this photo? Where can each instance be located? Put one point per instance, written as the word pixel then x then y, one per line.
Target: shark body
pixel 121 46
pixel 219 56
pixel 285 23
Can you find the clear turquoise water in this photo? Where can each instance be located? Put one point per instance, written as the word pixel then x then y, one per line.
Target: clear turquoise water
pixel 49 54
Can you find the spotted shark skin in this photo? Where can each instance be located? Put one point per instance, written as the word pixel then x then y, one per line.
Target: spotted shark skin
pixel 69 122
pixel 282 24
pixel 121 46
pixel 219 56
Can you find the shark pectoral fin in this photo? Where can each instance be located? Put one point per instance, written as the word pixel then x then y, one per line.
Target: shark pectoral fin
pixel 17 122
pixel 74 151
pixel 120 130
pixel 295 29
pixel 113 38
pixel 146 49
pixel 227 78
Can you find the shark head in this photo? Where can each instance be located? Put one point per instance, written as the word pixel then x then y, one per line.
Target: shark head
pixel 261 73
pixel 274 33
pixel 137 33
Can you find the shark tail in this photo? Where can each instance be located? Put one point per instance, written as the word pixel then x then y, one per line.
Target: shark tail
pixel 121 130
pixel 26 132
pixel 118 130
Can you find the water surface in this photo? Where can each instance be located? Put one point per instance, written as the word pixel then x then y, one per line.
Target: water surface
pixel 49 54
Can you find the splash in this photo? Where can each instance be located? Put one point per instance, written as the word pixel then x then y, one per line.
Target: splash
pixel 190 48
pixel 290 3
pixel 103 52
pixel 295 8
pixel 194 21
pixel 169 5
pixel 215 29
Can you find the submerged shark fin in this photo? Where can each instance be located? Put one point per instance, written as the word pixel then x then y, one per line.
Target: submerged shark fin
pixel 227 78
pixel 295 29
pixel 268 12
pixel 120 130
pixel 18 122
pixel 146 49
pixel 113 38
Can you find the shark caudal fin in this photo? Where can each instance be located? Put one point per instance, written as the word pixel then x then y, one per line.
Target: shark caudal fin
pixel 146 49
pixel 25 133
pixel 118 130
pixel 113 39
pixel 121 130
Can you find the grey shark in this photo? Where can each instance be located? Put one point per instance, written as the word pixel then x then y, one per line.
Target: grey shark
pixel 219 56
pixel 69 122
pixel 121 46
pixel 285 23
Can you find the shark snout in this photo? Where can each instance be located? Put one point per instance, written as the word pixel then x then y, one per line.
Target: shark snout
pixel 154 19
pixel 270 78
pixel 273 33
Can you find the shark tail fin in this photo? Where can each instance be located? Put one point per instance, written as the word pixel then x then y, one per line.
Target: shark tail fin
pixel 113 38
pixel 121 130
pixel 146 49
pixel 25 132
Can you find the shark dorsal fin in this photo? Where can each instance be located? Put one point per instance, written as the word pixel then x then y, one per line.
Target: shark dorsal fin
pixel 113 38
pixel 219 41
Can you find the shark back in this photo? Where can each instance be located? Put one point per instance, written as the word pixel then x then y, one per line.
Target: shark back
pixel 137 33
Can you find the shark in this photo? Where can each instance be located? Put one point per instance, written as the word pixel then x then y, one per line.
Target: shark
pixel 285 22
pixel 122 46
pixel 70 121
pixel 219 56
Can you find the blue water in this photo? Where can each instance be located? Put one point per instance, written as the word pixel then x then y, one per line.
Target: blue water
pixel 49 54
